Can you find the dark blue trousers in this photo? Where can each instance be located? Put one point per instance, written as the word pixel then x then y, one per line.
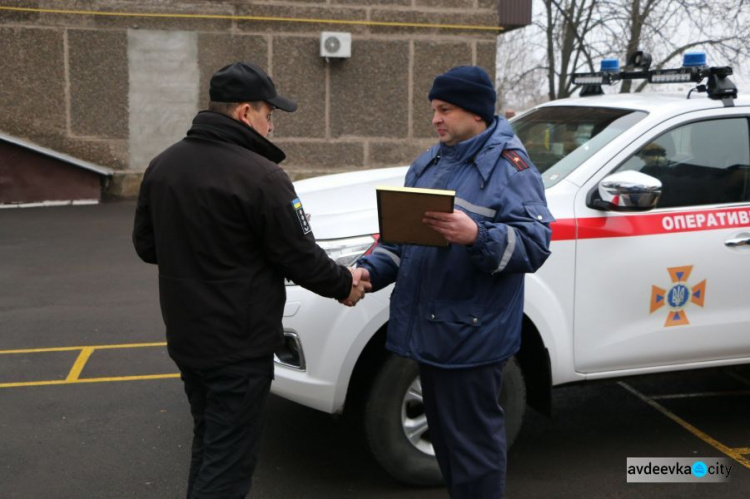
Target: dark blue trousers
pixel 467 428
pixel 228 406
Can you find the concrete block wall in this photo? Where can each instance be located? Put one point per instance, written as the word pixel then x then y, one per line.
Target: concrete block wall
pixel 114 82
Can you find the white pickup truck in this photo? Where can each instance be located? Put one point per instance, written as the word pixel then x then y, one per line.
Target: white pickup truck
pixel 649 272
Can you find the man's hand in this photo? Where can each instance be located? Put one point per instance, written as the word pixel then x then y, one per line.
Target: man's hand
pixel 456 227
pixel 360 285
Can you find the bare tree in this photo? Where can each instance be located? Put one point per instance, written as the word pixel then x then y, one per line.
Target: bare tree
pixel 569 42
pixel 669 28
pixel 520 72
pixel 570 36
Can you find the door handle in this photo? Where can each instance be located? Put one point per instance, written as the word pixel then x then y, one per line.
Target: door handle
pixel 741 241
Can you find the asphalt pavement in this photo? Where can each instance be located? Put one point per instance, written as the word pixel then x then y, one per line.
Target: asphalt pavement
pixel 90 405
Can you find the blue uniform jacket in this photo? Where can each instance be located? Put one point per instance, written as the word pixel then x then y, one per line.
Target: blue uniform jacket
pixel 462 306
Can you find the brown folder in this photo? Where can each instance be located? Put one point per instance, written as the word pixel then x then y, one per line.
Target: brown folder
pixel 401 210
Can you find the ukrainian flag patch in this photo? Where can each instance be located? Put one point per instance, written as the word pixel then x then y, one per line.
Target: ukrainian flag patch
pixel 303 219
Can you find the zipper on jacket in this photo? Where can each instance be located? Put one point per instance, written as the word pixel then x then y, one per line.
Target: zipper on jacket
pixel 414 317
pixel 416 251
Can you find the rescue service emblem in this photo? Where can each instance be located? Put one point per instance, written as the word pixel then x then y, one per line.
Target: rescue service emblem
pixel 304 220
pixel 678 296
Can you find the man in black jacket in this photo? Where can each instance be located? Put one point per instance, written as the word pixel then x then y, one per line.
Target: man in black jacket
pixel 225 226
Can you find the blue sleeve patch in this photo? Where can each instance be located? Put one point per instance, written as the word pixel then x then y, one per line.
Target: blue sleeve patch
pixel 303 219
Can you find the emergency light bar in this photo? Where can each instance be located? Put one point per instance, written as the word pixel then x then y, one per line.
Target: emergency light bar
pixel 694 69
pixel 673 76
pixel 589 79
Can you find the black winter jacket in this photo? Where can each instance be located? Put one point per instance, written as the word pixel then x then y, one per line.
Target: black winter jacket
pixel 224 224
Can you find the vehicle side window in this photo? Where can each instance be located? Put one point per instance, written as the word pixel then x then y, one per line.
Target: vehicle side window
pixel 701 163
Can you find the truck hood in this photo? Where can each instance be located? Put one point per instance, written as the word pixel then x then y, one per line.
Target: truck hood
pixel 344 204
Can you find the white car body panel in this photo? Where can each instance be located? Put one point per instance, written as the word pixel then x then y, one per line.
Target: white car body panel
pixel 549 293
pixel 607 336
pixel 343 205
pixel 323 384
pixel 342 332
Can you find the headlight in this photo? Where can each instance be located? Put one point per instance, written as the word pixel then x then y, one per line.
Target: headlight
pixel 346 251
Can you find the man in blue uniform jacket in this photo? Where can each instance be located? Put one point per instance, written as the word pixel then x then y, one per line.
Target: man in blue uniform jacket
pixel 457 310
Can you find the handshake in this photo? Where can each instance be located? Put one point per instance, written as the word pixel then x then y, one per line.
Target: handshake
pixel 360 285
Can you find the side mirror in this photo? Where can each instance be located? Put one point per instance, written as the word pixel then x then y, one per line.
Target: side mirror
pixel 628 191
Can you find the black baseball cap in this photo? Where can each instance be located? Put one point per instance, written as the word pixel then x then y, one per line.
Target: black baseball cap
pixel 246 82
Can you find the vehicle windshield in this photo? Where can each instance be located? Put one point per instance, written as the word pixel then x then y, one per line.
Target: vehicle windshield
pixel 559 139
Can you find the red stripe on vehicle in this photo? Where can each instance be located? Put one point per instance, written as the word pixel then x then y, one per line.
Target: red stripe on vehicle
pixel 650 224
pixel 564 229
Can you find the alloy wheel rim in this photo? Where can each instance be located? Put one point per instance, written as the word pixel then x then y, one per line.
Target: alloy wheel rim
pixel 414 419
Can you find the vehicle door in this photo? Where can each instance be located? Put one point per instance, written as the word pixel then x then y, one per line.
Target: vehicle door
pixel 669 286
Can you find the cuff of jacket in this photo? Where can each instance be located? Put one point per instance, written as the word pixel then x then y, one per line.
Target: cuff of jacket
pixel 345 291
pixel 482 236
pixel 376 284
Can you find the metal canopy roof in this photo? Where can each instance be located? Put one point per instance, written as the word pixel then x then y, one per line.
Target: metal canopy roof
pixel 101 170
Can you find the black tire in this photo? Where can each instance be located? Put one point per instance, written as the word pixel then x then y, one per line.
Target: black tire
pixel 387 408
pixel 384 427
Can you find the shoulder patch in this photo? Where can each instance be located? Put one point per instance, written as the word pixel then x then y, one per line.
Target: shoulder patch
pixel 303 219
pixel 515 159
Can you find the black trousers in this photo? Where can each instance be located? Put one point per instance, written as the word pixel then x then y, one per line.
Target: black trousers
pixel 228 408
pixel 467 428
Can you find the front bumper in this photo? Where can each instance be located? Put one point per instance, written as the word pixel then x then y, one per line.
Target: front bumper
pixel 328 338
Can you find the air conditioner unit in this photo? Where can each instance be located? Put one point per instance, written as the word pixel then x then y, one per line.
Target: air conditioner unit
pixel 334 44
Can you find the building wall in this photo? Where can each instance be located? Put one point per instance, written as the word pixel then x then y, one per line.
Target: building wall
pixel 115 82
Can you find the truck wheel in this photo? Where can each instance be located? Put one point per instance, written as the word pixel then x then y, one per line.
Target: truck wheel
pixel 513 399
pixel 396 425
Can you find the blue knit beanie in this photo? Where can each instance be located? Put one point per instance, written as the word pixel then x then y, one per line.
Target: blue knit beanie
pixel 468 87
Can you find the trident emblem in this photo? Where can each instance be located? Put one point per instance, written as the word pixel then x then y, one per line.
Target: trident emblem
pixel 678 296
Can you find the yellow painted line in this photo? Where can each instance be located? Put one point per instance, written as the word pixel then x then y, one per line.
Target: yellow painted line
pixel 80 363
pixel 89 380
pixel 740 393
pixel 254 18
pixel 83 357
pixel 95 347
pixel 742 450
pixel 733 453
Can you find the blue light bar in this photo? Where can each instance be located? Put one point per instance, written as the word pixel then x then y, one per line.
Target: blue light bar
pixel 610 65
pixel 694 60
